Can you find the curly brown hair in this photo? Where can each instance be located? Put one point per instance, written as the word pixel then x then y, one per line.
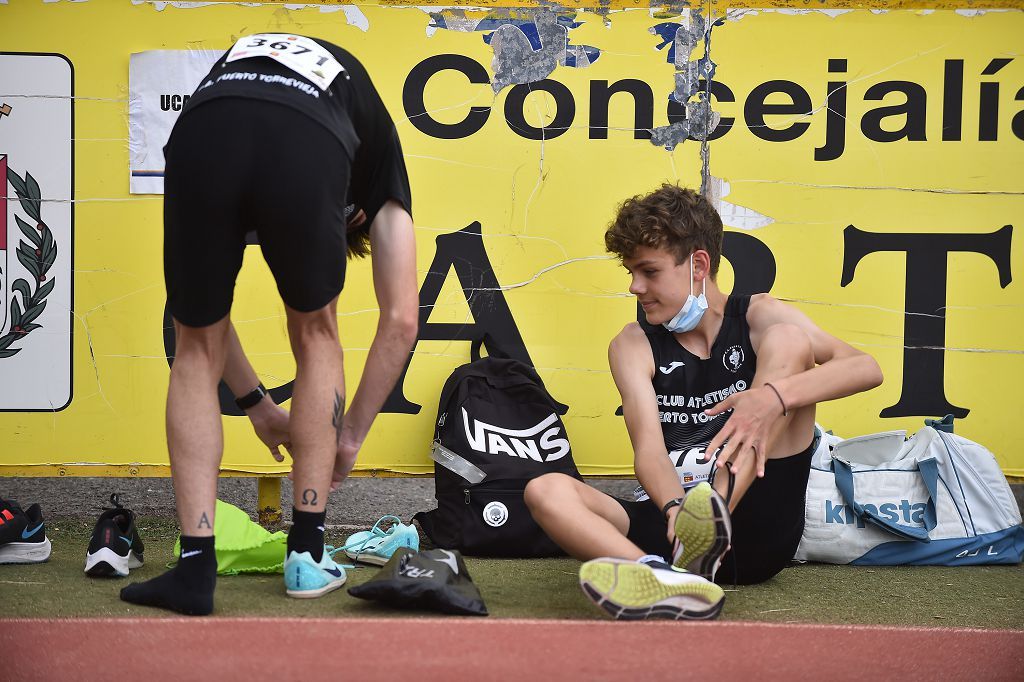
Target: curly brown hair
pixel 671 217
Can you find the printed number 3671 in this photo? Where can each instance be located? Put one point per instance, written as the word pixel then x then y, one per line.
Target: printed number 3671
pixel 281 45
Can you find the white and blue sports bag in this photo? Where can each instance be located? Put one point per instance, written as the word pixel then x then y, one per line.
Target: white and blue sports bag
pixel 933 499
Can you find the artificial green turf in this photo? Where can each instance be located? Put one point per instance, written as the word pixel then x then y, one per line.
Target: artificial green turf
pixel 983 596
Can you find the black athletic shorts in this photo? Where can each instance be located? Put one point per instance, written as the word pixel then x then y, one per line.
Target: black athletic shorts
pixel 234 165
pixel 766 526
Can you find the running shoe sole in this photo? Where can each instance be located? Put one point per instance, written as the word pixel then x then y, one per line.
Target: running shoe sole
pixel 374 559
pixel 704 529
pixel 313 594
pixel 106 563
pixel 25 552
pixel 627 590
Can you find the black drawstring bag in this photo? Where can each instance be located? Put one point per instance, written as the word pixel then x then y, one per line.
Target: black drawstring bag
pixel 435 580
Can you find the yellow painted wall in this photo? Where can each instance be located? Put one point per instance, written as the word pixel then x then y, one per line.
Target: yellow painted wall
pixel 545 203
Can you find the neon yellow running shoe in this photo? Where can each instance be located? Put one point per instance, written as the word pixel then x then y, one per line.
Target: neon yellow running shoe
pixel 631 590
pixel 703 532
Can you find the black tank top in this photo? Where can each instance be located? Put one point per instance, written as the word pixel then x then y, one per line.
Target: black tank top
pixel 686 385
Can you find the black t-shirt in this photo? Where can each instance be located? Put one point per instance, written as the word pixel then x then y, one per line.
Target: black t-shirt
pixel 351 109
pixel 686 385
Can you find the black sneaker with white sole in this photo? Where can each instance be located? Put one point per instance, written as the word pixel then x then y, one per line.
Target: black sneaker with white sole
pixel 115 546
pixel 22 534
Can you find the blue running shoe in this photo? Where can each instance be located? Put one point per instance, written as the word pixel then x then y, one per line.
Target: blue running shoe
pixel 375 546
pixel 307 579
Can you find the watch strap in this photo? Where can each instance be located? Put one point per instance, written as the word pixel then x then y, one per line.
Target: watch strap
pixel 675 502
pixel 252 398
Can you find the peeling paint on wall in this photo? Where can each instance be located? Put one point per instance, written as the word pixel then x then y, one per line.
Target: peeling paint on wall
pixel 700 120
pixel 740 217
pixel 527 47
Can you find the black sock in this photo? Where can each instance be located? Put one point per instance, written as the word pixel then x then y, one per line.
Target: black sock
pixel 188 587
pixel 307 533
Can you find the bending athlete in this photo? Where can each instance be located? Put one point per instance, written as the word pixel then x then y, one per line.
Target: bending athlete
pixel 286 136
pixel 715 382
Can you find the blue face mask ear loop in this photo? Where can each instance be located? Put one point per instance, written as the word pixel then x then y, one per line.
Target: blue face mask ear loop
pixel 704 282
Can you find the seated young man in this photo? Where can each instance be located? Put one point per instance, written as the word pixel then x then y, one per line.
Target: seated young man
pixel 714 374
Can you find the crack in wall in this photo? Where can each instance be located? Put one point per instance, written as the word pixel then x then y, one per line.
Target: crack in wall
pixel 885 188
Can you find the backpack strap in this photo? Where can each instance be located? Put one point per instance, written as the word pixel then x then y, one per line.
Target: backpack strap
pixel 494 349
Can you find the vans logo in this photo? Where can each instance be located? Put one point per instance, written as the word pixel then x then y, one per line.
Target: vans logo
pixel 541 442
pixel 902 512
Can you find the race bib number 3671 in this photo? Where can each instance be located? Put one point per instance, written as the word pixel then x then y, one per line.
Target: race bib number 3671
pixel 302 55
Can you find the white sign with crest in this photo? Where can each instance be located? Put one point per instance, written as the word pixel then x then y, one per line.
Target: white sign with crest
pixel 36 221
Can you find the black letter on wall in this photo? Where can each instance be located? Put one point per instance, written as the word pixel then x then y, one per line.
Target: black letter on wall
pixel 643 107
pixel 923 389
pixel 565 110
pixel 464 251
pixel 416 110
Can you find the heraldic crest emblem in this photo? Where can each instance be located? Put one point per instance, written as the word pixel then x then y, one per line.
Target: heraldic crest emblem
pixel 25 261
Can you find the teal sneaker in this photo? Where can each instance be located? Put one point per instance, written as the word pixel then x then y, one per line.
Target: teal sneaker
pixel 307 579
pixel 703 532
pixel 375 546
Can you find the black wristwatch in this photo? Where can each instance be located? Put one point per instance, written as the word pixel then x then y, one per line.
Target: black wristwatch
pixel 671 503
pixel 252 398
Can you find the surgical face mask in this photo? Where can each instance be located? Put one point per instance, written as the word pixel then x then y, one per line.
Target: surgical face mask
pixel 689 315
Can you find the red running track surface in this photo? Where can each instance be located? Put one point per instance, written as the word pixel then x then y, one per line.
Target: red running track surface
pixel 424 649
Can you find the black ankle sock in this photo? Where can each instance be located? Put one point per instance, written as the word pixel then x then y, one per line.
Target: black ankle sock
pixel 307 533
pixel 188 587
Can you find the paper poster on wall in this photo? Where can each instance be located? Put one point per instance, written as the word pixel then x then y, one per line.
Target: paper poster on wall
pixel 159 84
pixel 36 167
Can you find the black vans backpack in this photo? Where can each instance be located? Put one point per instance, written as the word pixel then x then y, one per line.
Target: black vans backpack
pixel 498 427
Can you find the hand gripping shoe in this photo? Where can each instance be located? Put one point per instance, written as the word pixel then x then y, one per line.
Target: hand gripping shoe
pixel 308 579
pixel 375 546
pixel 22 534
pixel 115 546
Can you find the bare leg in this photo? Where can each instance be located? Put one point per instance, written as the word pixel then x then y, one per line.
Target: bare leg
pixel 194 433
pixel 785 350
pixel 196 443
pixel 583 521
pixel 318 403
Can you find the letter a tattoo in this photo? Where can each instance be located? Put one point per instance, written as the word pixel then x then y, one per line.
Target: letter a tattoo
pixel 204 522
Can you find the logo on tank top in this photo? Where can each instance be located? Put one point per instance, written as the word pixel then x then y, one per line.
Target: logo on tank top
pixel 674 365
pixel 733 358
